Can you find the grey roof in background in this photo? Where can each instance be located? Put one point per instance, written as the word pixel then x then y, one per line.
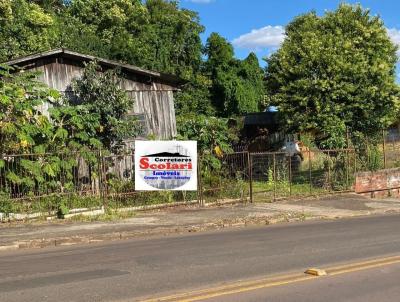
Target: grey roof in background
pixel 262 119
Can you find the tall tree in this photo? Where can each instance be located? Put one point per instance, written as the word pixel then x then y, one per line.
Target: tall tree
pixel 24 28
pixel 112 26
pixel 173 35
pixel 237 86
pixel 154 34
pixel 219 53
pixel 335 72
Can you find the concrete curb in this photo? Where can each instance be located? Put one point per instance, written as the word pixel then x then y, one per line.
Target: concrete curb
pixel 164 231
pixel 171 230
pixel 6 248
pixel 101 210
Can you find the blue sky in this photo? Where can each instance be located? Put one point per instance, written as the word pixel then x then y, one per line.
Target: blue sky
pixel 257 25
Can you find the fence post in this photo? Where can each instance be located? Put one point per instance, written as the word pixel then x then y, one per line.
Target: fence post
pixel 329 171
pixel 274 165
pixel 355 162
pixel 101 178
pixel 384 149
pixel 309 169
pixel 347 169
pixel 250 171
pixel 290 175
pixel 200 183
pixel 368 162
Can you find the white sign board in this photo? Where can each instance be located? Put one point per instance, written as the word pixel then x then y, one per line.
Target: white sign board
pixel 165 165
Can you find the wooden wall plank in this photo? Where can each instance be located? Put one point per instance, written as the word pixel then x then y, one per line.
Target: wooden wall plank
pixel 154 100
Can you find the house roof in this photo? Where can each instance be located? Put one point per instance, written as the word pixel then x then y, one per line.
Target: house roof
pixel 168 78
pixel 262 119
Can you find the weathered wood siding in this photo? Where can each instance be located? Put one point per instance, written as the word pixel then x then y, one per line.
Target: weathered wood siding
pixel 152 99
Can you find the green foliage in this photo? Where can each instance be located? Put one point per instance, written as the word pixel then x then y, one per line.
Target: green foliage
pixel 156 34
pixel 71 33
pixel 98 122
pixel 212 134
pixel 153 34
pixel 195 97
pixel 6 205
pixel 270 177
pixel 100 95
pixel 308 140
pixel 214 139
pixel 237 86
pixel 76 128
pixel 219 53
pixel 371 159
pixel 22 125
pixel 333 72
pixel 62 209
pixel 173 37
pixel 24 28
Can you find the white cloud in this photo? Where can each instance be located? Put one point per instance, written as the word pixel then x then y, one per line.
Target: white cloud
pixel 272 37
pixel 394 35
pixel 268 37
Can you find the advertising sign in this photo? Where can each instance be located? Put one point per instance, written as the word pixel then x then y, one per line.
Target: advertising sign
pixel 165 165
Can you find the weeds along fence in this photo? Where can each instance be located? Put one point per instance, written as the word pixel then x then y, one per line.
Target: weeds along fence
pixel 276 175
pixel 49 184
pixel 56 184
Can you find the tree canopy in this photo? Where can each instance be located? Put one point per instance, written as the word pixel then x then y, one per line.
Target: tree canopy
pixel 24 28
pixel 237 85
pixel 153 34
pixel 335 72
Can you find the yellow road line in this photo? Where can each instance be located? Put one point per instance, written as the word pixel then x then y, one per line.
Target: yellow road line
pixel 242 289
pixel 231 286
pixel 362 265
pixel 244 286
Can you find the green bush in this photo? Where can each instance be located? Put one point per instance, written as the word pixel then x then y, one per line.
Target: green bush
pixel 62 210
pixel 6 205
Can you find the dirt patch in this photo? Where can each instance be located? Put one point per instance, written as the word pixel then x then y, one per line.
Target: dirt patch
pixel 350 202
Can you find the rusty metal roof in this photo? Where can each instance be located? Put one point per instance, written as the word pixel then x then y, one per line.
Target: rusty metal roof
pixel 62 52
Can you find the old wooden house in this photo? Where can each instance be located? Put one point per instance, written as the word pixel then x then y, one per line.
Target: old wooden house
pixel 153 92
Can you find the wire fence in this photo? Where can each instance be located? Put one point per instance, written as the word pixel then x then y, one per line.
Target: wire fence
pixel 42 184
pixel 278 176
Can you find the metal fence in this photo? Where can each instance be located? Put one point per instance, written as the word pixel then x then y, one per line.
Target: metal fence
pixel 277 176
pixel 41 183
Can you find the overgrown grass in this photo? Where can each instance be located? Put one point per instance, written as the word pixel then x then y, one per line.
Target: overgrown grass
pixel 218 188
pixel 110 215
pixel 267 191
pixel 61 205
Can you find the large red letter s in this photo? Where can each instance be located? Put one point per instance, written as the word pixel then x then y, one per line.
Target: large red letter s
pixel 144 163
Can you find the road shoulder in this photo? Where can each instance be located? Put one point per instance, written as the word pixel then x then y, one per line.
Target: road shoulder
pixel 190 219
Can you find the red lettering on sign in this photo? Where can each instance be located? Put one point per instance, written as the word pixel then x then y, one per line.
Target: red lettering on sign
pixel 144 163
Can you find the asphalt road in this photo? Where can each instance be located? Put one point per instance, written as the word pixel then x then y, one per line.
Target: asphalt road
pixel 131 270
pixel 378 284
